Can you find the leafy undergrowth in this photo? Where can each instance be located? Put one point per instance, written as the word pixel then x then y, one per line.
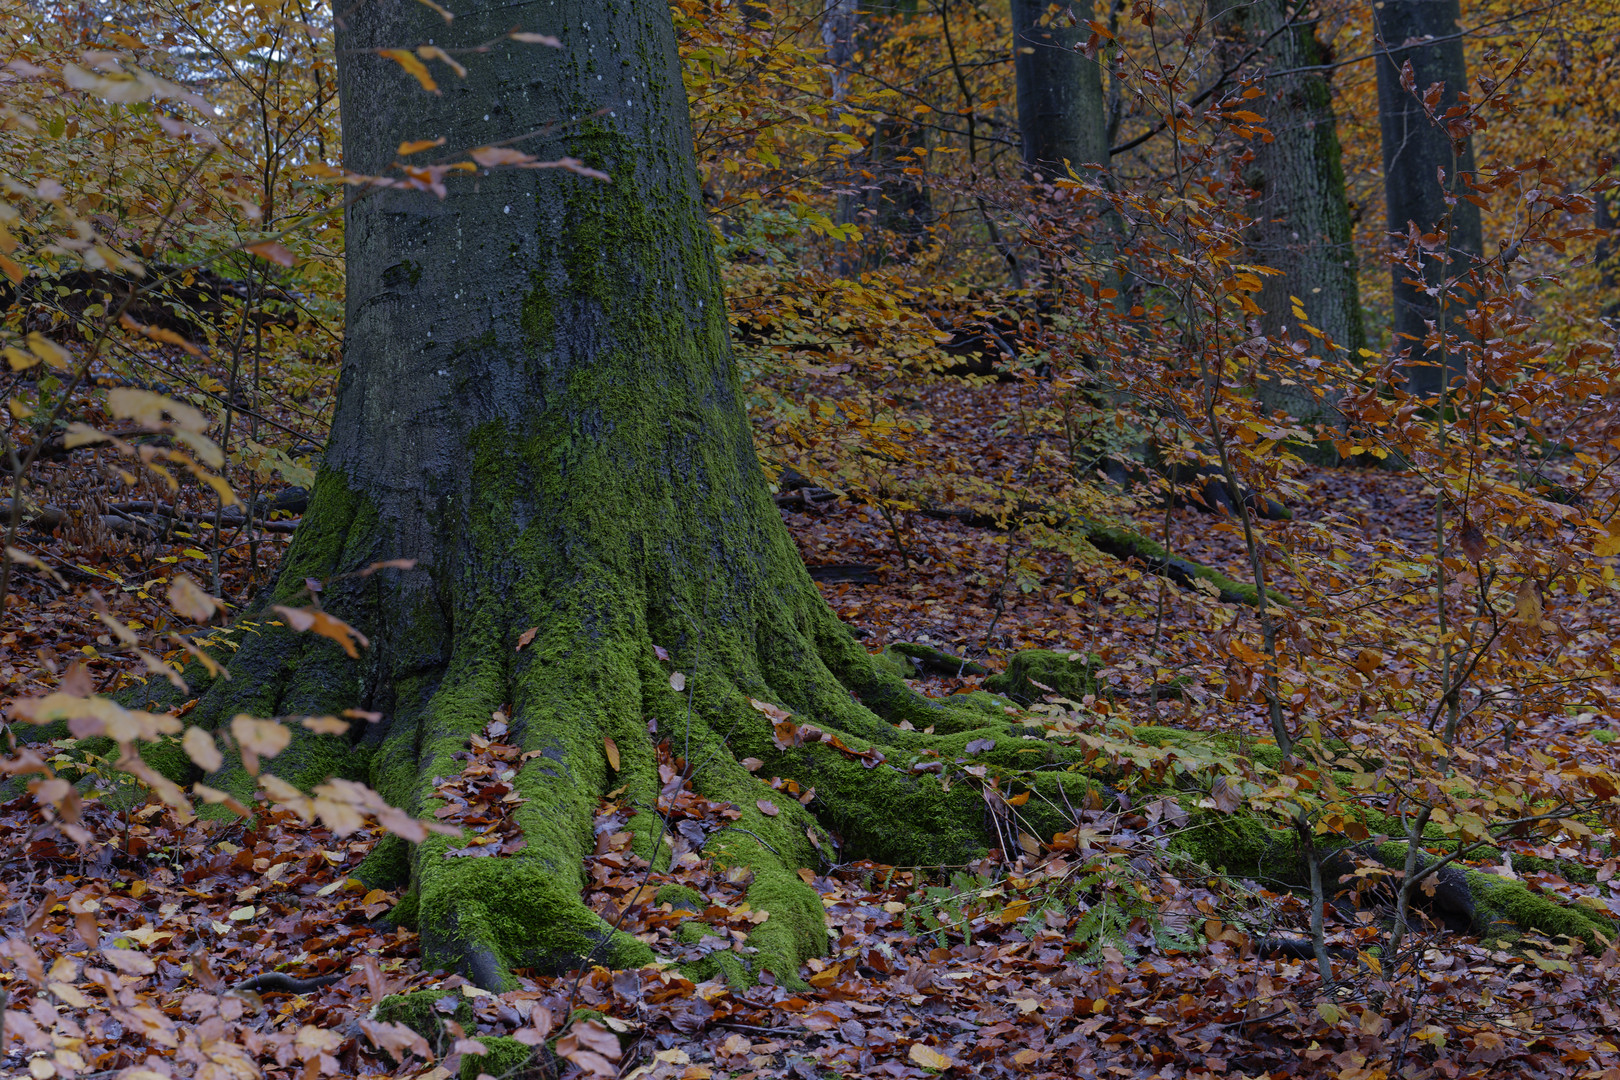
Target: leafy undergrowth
pixel 1100 953
pixel 126 543
pixel 1094 952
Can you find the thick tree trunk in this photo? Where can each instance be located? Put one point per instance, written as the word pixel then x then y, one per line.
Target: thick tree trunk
pixel 1302 222
pixel 1427 35
pixel 538 405
pixel 1062 117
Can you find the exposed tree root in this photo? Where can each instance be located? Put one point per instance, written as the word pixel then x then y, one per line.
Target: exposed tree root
pixel 897 796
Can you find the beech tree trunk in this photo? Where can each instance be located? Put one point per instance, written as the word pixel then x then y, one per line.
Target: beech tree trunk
pixel 884 200
pixel 1302 222
pixel 1427 35
pixel 1062 117
pixel 1604 253
pixel 538 405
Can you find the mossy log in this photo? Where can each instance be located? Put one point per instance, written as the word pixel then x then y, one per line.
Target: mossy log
pixel 1123 544
pixel 1462 899
pixel 1033 674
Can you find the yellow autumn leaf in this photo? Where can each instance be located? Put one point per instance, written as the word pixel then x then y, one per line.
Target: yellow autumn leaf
pixel 414 67
pixel 1528 603
pixel 929 1058
pixel 314 620
pixel 1608 545
pixel 258 738
pixel 416 146
pixel 49 351
pixel 433 52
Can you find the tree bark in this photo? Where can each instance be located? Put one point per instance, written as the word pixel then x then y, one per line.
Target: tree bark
pixel 1302 222
pixel 1604 252
pixel 1062 117
pixel 1427 35
pixel 538 405
pixel 885 200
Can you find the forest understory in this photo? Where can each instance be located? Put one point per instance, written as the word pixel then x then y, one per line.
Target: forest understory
pixel 972 969
pixel 1203 417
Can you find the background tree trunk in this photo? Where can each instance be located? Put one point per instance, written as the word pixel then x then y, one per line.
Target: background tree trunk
pixel 1605 252
pixel 1062 116
pixel 884 200
pixel 1426 34
pixel 1302 222
pixel 538 405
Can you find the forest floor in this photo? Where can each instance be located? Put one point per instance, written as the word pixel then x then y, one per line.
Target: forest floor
pixel 962 970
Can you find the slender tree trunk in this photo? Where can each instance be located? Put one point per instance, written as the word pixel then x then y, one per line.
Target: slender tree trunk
pixel 538 405
pixel 1606 253
pixel 839 21
pixel 1427 35
pixel 1062 116
pixel 886 201
pixel 1302 222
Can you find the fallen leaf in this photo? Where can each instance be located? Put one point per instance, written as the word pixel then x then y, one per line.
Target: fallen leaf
pixel 129 961
pixel 767 807
pixel 929 1058
pixel 775 712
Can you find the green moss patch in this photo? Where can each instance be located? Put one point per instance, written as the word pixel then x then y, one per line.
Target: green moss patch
pixel 504 1059
pixel 387 865
pixel 1068 674
pixel 681 898
pixel 483 917
pixel 424 1012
